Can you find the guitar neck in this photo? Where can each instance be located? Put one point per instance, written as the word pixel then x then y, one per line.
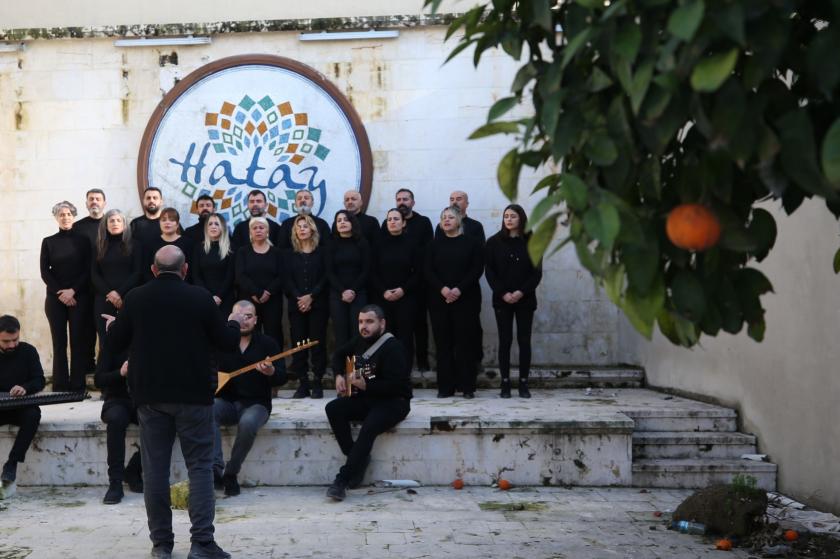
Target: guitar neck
pixel 272 358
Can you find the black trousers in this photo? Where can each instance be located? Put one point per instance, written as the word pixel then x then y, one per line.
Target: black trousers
pixel 27 419
pixel 377 416
pixel 457 330
pixel 504 321
pixel 102 306
pixel 400 317
pixel 310 325
pixel 59 317
pixel 270 316
pixel 117 414
pixel 421 331
pixel 90 333
pixel 345 316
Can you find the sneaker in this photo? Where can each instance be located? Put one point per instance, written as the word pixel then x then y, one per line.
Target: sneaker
pixel 231 485
pixel 337 491
pixel 317 392
pixel 207 550
pixel 114 494
pixel 301 392
pixel 523 389
pixel 505 393
pixel 9 472
pixel 357 479
pixel 218 481
pixel 162 551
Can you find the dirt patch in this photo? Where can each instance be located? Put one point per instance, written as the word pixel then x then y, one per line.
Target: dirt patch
pixel 535 506
pixel 725 509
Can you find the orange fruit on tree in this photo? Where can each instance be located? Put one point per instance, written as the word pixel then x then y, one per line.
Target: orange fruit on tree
pixel 724 545
pixel 458 484
pixel 693 227
pixel 791 535
pixel 504 484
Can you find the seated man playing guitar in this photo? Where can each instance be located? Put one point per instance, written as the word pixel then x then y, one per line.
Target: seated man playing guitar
pixel 244 401
pixel 382 382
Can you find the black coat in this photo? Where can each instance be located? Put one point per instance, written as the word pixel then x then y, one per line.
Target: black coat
pixel 171 330
pixel 508 268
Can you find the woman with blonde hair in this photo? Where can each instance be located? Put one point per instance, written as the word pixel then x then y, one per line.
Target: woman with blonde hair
pixel 115 269
pixel 305 287
pixel 259 278
pixel 213 262
pixel 65 269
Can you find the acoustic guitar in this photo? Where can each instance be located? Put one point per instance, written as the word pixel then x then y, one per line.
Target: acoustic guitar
pixel 354 370
pixel 225 378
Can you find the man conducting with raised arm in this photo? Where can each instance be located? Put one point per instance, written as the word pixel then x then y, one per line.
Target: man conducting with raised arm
pixel 381 401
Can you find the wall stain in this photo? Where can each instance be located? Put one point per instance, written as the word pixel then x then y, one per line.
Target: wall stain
pixel 20 116
pixel 168 59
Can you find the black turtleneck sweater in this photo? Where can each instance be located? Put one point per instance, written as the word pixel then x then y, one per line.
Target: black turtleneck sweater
pixel 418 229
pixel 65 262
pixel 88 227
pixel 396 263
pixel 369 227
pixel 508 268
pixel 454 262
pixel 21 367
pixel 348 263
pixel 196 232
pixel 212 272
pixel 145 230
pixel 257 272
pixel 118 270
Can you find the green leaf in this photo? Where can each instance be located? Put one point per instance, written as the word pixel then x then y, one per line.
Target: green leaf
pixel 640 84
pixel 541 238
pixel 762 229
pixel 574 191
pixel 601 150
pixel 837 261
pixel 642 310
pixel 821 61
pixel 685 20
pixel 591 4
pixel 710 73
pixel 566 136
pixel 688 295
pixel 599 80
pixel 756 329
pixel 538 13
pixel 547 182
pixel 730 20
pixel 574 45
pixel 495 128
pixel 457 50
pixel 508 173
pixel 627 41
pixel 542 208
pixel 831 154
pixel 525 74
pixel 642 263
pixel 614 282
pixel 650 181
pixel 799 151
pixel 603 223
pixel 501 107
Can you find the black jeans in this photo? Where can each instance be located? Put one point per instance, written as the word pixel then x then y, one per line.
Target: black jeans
pixel 27 419
pixel 457 331
pixel 159 423
pixel 311 325
pixel 524 321
pixel 400 316
pixel 377 416
pixel 345 316
pixel 270 316
pixel 117 414
pixel 59 317
pixel 421 330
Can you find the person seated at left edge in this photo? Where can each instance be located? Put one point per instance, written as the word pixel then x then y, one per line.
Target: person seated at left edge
pixel 245 401
pixel 382 399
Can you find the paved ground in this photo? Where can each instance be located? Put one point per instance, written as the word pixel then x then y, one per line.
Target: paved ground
pixel 579 523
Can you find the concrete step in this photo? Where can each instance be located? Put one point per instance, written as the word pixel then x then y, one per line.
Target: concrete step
pixel 703 417
pixel 697 473
pixel 691 444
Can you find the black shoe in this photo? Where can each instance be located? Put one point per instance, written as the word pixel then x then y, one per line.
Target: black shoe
pixel 301 392
pixel 317 392
pixel 505 393
pixel 218 481
pixel 469 395
pixel 162 551
pixel 337 491
pixel 442 394
pixel 523 389
pixel 207 550
pixel 357 479
pixel 114 494
pixel 231 485
pixel 9 472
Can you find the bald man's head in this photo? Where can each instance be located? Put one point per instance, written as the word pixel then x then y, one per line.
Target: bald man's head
pixel 459 198
pixel 246 312
pixel 170 260
pixel 353 201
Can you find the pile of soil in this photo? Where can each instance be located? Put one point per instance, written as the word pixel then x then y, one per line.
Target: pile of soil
pixel 725 509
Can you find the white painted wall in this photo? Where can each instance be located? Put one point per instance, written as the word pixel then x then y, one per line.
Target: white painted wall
pixel 787 388
pixel 72 113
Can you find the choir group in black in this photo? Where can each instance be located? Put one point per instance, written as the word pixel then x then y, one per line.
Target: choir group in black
pixel 326 273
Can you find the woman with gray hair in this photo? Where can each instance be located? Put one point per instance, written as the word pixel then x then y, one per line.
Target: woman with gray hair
pixel 454 264
pixel 65 269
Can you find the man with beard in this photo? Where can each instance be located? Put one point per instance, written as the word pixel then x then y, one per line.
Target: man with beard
pixel 204 205
pixel 369 225
pixel 471 227
pixel 245 401
pixel 20 374
pixel 89 226
pixel 382 401
pixel 304 203
pixel 146 228
pixel 257 207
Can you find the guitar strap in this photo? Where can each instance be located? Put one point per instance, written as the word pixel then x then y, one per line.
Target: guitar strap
pixel 375 347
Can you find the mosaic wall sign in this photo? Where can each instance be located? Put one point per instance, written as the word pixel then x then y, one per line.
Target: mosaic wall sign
pixel 254 122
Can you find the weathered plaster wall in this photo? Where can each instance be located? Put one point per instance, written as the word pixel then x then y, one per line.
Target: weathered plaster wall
pixel 72 114
pixel 787 388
